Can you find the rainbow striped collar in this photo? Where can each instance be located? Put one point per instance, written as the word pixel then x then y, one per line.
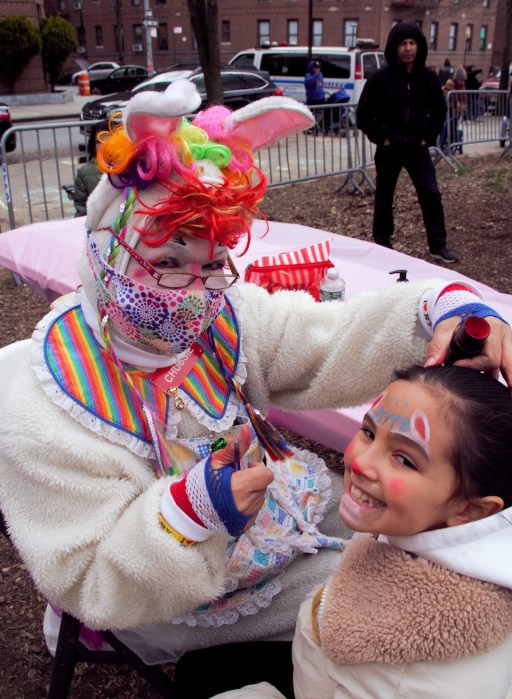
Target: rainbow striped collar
pixel 88 375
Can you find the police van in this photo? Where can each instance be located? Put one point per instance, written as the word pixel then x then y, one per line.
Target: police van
pixel 342 67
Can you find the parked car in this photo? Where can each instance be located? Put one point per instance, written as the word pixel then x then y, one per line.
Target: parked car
pixel 5 123
pixel 240 87
pixel 122 78
pixel 96 71
pixel 493 81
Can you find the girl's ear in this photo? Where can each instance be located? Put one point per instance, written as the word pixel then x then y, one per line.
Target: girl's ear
pixel 477 508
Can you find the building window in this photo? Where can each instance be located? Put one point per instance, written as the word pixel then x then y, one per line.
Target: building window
pixel 80 33
pixel 482 42
pixel 487 3
pixel 160 2
pixel 469 38
pixel 226 31
pixel 137 33
pixel 434 34
pixel 350 31
pixel 318 32
pixel 452 38
pixel 293 32
pixel 162 38
pixel 263 32
pixel 136 3
pixel 99 35
pixel 419 24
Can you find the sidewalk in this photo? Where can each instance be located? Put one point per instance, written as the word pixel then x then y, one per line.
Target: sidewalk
pixel 21 113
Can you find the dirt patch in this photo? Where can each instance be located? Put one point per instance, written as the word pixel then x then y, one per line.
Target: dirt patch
pixel 478 208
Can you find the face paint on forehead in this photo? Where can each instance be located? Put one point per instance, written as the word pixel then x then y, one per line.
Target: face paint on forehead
pixel 416 427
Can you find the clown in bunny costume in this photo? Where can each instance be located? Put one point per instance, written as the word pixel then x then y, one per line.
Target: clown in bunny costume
pixel 117 498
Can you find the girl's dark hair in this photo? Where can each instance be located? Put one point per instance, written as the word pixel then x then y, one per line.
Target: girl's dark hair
pixel 478 411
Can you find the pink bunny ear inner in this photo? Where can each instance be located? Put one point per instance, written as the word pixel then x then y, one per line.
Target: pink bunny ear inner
pixel 141 126
pixel 152 113
pixel 266 121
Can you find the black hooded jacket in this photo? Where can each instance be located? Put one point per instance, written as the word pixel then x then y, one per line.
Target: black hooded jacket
pixel 400 106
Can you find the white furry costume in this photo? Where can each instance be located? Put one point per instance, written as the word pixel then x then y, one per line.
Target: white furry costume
pixel 81 498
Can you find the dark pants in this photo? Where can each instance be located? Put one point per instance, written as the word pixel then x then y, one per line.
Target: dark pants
pixel 389 161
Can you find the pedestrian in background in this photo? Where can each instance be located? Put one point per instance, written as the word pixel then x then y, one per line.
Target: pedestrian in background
pixel 402 109
pixel 445 72
pixel 87 176
pixel 315 94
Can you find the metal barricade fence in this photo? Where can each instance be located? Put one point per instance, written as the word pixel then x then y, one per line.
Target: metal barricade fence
pixel 46 161
pixel 46 157
pixel 34 175
pixel 474 116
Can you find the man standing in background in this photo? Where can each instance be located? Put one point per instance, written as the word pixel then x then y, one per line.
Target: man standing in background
pixel 314 86
pixel 402 109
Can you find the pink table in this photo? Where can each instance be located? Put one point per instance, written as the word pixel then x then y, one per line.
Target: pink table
pixel 45 256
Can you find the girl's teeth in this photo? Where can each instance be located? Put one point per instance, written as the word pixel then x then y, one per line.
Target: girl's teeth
pixel 364 498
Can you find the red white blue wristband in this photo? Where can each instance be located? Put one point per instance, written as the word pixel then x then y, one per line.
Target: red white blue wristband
pixel 445 299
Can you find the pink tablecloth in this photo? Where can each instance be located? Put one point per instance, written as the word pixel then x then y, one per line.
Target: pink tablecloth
pixel 45 256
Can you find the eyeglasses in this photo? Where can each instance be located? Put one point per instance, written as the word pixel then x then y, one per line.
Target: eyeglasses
pixel 178 280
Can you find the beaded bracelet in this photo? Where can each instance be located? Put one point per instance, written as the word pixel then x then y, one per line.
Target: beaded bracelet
pixel 167 527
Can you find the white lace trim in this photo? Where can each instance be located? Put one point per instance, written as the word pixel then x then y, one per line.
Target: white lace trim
pixel 252 601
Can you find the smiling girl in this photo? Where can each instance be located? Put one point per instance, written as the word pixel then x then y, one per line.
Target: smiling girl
pixel 423 608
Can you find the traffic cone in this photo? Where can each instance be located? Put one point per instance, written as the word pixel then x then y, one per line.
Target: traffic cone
pixel 84 85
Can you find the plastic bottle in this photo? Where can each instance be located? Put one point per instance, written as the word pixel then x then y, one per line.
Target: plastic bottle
pixel 332 286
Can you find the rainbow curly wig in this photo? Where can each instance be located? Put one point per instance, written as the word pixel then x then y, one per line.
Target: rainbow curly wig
pixel 211 186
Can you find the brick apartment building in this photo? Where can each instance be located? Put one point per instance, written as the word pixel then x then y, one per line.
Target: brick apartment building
pixel 465 31
pixel 462 30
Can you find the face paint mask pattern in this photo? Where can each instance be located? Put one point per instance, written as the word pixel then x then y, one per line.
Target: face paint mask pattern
pixel 168 320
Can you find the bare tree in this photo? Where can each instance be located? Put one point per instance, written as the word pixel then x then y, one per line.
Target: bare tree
pixel 204 17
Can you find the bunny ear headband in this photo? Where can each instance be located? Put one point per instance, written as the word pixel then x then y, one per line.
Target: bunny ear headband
pixel 157 144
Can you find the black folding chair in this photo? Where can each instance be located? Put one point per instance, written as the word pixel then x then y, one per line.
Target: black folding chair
pixel 71 650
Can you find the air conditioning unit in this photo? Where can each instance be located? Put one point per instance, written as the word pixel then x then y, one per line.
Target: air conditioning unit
pixel 81 49
pixel 137 48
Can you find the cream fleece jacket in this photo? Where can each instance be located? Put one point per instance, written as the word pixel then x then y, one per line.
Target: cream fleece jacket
pixel 83 511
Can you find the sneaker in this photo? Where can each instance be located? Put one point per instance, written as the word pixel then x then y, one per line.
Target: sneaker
pixel 448 256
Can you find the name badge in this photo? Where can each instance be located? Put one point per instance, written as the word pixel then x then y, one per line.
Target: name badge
pixel 171 377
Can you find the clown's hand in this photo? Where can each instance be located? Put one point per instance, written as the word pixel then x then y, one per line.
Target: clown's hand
pixel 445 307
pixel 496 353
pixel 217 497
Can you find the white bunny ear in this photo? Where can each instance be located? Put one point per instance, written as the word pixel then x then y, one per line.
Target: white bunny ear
pixel 262 123
pixel 153 113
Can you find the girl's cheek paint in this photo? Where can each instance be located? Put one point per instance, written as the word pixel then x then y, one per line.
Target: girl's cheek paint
pixel 397 486
pixel 355 467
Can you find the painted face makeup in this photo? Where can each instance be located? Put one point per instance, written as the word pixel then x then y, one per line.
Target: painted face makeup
pixel 398 478
pixel 416 427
